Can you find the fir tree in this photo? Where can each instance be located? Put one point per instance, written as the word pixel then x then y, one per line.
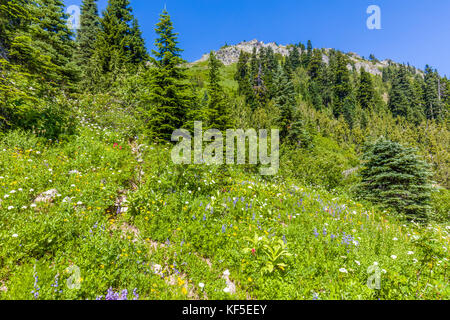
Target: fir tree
pixel 169 93
pixel 394 177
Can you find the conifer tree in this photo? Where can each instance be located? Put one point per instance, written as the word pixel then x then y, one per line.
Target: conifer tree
pixel 270 65
pixel 418 99
pixel 307 54
pixel 47 48
pixel 342 88
pixel 119 46
pixel 294 58
pixel 400 94
pixel 218 111
pixel 433 105
pixel 242 75
pixel 284 99
pixel 169 94
pixel 87 35
pixel 395 178
pixel 366 91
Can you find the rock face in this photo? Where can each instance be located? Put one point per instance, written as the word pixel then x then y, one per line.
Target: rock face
pixel 230 54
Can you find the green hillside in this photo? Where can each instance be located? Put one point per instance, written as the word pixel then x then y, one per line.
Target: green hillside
pixel 92 205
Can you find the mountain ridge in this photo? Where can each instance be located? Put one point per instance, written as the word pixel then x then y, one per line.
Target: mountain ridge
pixel 229 54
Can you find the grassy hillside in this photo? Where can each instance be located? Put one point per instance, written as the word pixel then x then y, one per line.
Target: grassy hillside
pixel 129 219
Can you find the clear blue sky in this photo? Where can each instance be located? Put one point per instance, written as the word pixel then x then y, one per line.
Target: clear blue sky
pixel 414 31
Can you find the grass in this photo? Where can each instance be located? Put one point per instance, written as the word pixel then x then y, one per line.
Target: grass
pixel 193 232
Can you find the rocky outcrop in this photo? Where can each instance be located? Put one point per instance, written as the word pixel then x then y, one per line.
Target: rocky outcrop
pixel 230 54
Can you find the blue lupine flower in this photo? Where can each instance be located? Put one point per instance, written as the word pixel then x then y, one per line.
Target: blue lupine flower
pixel 316 233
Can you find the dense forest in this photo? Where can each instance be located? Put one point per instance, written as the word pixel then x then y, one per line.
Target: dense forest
pixel 86 180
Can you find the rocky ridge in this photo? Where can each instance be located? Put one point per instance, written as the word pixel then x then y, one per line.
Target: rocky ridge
pixel 230 54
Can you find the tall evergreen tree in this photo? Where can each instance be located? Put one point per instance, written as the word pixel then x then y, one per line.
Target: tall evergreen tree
pixel 169 94
pixel 284 100
pixel 342 88
pixel 366 91
pixel 307 55
pixel 395 178
pixel 242 74
pixel 433 105
pixel 47 48
pixel 400 94
pixel 119 46
pixel 418 99
pixel 294 58
pixel 218 110
pixel 86 37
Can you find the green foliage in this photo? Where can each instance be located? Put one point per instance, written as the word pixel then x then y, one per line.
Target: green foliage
pixel 323 164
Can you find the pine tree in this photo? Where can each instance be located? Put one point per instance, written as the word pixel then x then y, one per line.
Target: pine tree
pixel 395 178
pixel 218 111
pixel 86 36
pixel 169 94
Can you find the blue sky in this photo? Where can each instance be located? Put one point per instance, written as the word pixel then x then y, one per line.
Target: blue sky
pixel 414 31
